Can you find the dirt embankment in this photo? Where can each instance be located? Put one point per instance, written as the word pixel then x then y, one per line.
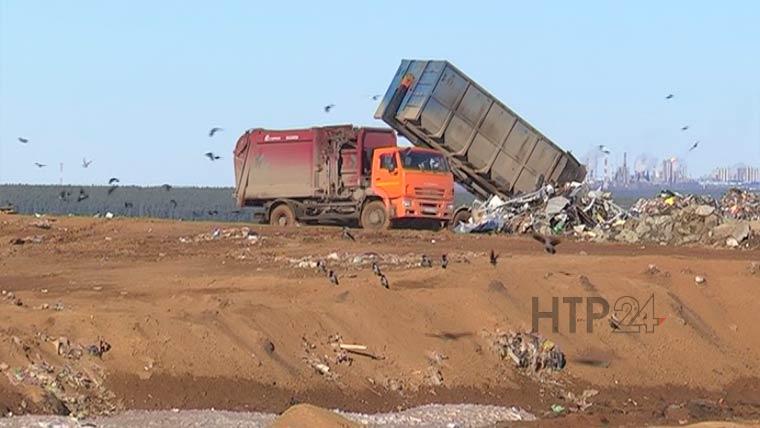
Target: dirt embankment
pixel 155 314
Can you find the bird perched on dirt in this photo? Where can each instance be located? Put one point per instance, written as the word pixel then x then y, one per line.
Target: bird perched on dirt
pixel 211 156
pixel 426 262
pixel 384 282
pixel 322 266
pixel 113 180
pixel 684 128
pixel 493 258
pixel 444 261
pixel 376 269
pixel 214 131
pixel 86 163
pixel 82 195
pixel 166 187
pixel 347 235
pixel 333 277
pixel 112 189
pixel 694 146
pixel 329 107
pixel 549 242
pixel 23 140
pixel 670 96
pixel 40 165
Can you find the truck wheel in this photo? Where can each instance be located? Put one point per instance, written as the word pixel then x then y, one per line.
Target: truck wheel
pixel 462 216
pixel 374 216
pixel 283 216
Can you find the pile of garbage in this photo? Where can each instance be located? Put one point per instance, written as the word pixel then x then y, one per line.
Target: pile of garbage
pixel 529 351
pixel 218 233
pixel 668 219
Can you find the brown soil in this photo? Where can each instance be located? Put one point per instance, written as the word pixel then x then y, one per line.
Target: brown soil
pixel 231 323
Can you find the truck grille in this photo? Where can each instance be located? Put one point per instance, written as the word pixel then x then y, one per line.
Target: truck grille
pixel 429 192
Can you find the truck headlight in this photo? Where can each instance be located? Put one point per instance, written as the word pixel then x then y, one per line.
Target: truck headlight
pixel 407 203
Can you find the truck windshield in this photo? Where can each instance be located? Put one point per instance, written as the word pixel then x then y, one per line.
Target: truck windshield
pixel 423 161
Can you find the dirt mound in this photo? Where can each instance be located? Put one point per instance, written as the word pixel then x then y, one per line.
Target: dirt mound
pixel 308 416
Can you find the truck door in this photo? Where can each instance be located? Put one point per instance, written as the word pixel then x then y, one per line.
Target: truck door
pixel 386 175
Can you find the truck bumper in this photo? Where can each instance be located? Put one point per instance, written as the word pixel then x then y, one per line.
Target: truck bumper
pixel 420 208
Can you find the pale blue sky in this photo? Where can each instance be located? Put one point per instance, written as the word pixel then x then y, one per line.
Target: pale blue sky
pixel 135 85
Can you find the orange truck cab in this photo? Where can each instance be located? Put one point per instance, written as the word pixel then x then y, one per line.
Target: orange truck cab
pixel 341 173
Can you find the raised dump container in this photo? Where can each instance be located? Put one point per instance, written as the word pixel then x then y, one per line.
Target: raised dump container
pixel 491 149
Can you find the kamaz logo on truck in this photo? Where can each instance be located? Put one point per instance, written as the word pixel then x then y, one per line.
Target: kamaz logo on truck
pixel 268 138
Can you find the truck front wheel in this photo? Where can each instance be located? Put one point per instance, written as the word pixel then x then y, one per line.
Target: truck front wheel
pixel 283 216
pixel 375 216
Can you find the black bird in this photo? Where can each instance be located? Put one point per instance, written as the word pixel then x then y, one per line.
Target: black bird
pixel 684 128
pixel 211 156
pixel 669 96
pixel 64 195
pixel 23 140
pixel 376 97
pixel 86 163
pixel 384 282
pixel 113 180
pixel 112 189
pixel 493 258
pixel 333 277
pixel 549 242
pixel 128 205
pixel 444 261
pixel 166 187
pixel 322 266
pixel 376 269
pixel 604 149
pixel 174 203
pixel 694 146
pixel 40 165
pixel 347 235
pixel 214 131
pixel 426 262
pixel 329 107
pixel 82 195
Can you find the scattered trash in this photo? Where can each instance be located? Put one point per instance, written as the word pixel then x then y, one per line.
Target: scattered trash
pixel 42 223
pixel 558 409
pixel 699 280
pixel 529 351
pixel 35 239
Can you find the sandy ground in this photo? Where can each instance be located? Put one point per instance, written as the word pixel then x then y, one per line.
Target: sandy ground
pixel 243 324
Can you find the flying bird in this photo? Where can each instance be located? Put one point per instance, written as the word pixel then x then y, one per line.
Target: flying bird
pixel 212 157
pixel 82 195
pixel 549 242
pixel 684 128
pixel 384 282
pixel 64 195
pixel 112 189
pixel 694 146
pixel 40 165
pixel 329 107
pixel 174 203
pixel 214 131
pixel 444 261
pixel 604 149
pixel 128 205
pixel 493 258
pixel 376 97
pixel 212 212
pixel 86 163
pixel 333 277
pixel 669 96
pixel 113 180
pixel 347 235
pixel 23 140
pixel 376 269
pixel 166 187
pixel 426 262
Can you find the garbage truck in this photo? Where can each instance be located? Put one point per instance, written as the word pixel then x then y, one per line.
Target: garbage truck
pixel 490 149
pixel 343 174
